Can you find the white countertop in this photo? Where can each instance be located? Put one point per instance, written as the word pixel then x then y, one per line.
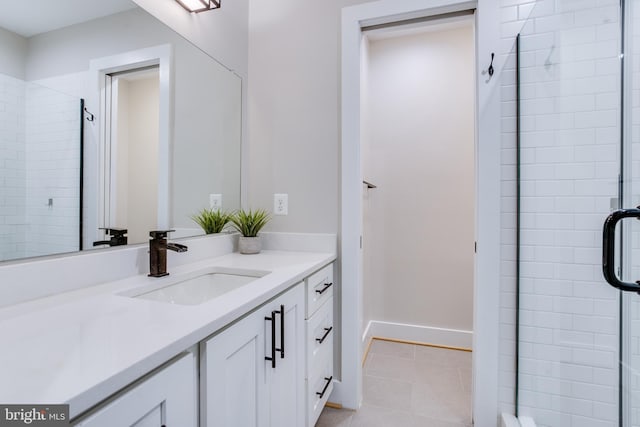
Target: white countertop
pixel 82 346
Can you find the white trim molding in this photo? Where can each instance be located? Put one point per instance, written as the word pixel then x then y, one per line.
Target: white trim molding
pixel 419 334
pixel 487 279
pixel 162 56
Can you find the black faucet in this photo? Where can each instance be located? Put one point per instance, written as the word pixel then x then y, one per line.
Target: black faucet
pixel 158 246
pixel 117 237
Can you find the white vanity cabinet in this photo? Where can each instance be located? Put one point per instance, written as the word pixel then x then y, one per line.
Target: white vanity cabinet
pixel 319 342
pixel 165 398
pixel 271 367
pixel 252 373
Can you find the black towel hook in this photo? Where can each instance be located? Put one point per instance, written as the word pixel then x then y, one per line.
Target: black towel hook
pixel 490 70
pixel 90 117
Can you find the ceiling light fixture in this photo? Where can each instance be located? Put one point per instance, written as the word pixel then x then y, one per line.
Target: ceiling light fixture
pixel 196 6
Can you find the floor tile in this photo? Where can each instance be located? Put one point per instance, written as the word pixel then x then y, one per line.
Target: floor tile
pixel 379 365
pixel 446 380
pixel 407 385
pixel 419 421
pixel 387 393
pixel 331 417
pixel 443 356
pixel 372 416
pixel 395 349
pixel 466 378
pixel 428 401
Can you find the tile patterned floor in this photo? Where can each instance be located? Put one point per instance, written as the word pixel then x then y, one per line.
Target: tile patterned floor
pixel 409 385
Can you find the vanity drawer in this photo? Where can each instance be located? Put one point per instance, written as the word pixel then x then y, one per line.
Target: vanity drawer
pixel 319 289
pixel 319 388
pixel 320 336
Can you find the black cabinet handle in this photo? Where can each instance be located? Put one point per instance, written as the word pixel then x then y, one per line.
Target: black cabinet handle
pixel 609 249
pixel 326 386
pixel 326 333
pixel 272 319
pixel 281 349
pixel 326 286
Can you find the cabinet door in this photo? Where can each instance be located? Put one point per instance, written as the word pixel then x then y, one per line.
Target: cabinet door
pixel 166 398
pixel 233 374
pixel 286 381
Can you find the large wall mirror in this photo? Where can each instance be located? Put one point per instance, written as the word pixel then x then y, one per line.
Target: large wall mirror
pixel 153 123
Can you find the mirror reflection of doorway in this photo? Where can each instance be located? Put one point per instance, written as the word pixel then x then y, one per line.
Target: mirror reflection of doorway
pixel 131 199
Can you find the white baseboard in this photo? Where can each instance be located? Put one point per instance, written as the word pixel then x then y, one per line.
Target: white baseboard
pixel 336 396
pixel 336 393
pixel 417 333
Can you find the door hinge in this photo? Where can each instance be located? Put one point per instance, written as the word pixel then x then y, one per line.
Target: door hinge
pixel 475 247
pixel 360 242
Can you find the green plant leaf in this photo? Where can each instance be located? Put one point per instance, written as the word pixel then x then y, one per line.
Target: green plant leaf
pixel 250 222
pixel 212 221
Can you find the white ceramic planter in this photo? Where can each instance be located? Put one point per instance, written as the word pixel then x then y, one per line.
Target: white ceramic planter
pixel 249 245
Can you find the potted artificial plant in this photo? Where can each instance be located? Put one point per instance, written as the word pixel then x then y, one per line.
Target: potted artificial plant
pixel 212 220
pixel 249 223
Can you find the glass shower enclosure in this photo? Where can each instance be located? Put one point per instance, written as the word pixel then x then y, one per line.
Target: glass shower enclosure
pixel 578 337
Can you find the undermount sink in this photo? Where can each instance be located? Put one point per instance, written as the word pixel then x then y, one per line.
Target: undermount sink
pixel 200 288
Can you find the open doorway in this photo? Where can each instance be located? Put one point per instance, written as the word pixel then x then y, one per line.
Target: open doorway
pixel 417 146
pixel 133 120
pixel 356 19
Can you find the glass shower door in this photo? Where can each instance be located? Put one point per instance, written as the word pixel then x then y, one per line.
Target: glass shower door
pixel 629 235
pixel 570 345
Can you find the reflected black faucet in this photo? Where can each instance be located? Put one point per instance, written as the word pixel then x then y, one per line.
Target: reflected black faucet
pixel 158 246
pixel 117 237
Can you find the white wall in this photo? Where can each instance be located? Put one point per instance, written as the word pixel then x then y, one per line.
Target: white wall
pixel 13 49
pixel 419 232
pixel 294 109
pixel 206 155
pixel 222 33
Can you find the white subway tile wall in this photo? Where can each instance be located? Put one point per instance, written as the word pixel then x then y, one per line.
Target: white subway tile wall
pixel 53 171
pixel 570 80
pixel 39 174
pixel 12 168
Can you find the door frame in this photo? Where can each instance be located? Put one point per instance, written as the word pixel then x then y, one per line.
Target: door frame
pixel 348 391
pixel 99 68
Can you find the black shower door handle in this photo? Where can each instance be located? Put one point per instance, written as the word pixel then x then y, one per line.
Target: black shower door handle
pixel 609 249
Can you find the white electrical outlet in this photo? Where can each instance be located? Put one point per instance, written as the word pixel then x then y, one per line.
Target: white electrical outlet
pixel 215 201
pixel 280 204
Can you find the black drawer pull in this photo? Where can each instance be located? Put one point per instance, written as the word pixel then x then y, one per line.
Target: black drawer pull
pixel 326 286
pixel 326 333
pixel 326 386
pixel 281 349
pixel 272 319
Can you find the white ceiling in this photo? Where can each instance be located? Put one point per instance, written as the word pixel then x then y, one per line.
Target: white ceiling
pixel 28 18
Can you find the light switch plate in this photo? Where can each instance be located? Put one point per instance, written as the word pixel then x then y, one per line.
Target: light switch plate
pixel 215 201
pixel 280 204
